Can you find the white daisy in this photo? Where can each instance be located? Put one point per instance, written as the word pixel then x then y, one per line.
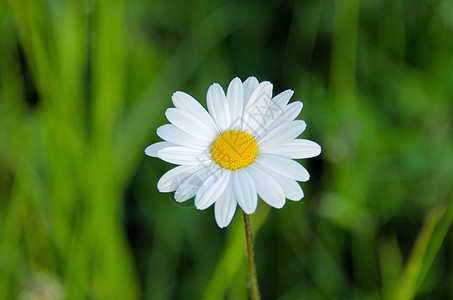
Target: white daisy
pixel 243 146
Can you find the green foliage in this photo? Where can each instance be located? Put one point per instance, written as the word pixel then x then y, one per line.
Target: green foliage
pixel 84 84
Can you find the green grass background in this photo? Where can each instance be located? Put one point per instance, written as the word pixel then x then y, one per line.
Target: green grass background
pixel 84 84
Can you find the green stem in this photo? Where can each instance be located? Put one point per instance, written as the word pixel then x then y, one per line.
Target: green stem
pixel 254 291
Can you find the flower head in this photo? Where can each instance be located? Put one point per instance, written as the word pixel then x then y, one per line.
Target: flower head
pixel 244 146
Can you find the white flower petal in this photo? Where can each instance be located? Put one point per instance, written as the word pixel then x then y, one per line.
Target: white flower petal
pixel 183 155
pixel 283 166
pixel 191 185
pixel 290 187
pixel 280 117
pixel 282 134
pixel 235 98
pixel 189 104
pixel 283 98
pixel 268 189
pixel 245 191
pixel 218 107
pixel 276 109
pixel 225 207
pixel 190 124
pixel 250 84
pixel 212 189
pixel 296 149
pixel 257 106
pixel 172 179
pixel 176 136
pixel 152 149
pixel 293 110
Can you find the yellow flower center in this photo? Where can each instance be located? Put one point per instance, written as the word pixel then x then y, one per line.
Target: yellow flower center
pixel 234 150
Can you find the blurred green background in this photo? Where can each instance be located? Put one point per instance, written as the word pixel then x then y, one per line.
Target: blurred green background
pixel 84 85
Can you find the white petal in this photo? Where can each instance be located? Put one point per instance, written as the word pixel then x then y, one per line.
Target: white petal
pixel 282 99
pixel 171 180
pixel 293 110
pixel 152 150
pixel 257 106
pixel 245 191
pixel 283 166
pixel 235 98
pixel 225 207
pixel 282 134
pixel 183 155
pixel 290 187
pixel 192 184
pixel 296 149
pixel 190 124
pixel 280 117
pixel 250 84
pixel 276 108
pixel 212 189
pixel 176 136
pixel 189 104
pixel 267 188
pixel 218 106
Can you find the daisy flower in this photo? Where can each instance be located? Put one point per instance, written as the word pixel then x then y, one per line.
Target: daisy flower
pixel 242 147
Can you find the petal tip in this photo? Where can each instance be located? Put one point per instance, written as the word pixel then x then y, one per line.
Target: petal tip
pixel 150 151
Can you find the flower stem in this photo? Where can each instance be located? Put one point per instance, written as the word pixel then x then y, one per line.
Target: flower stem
pixel 254 291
